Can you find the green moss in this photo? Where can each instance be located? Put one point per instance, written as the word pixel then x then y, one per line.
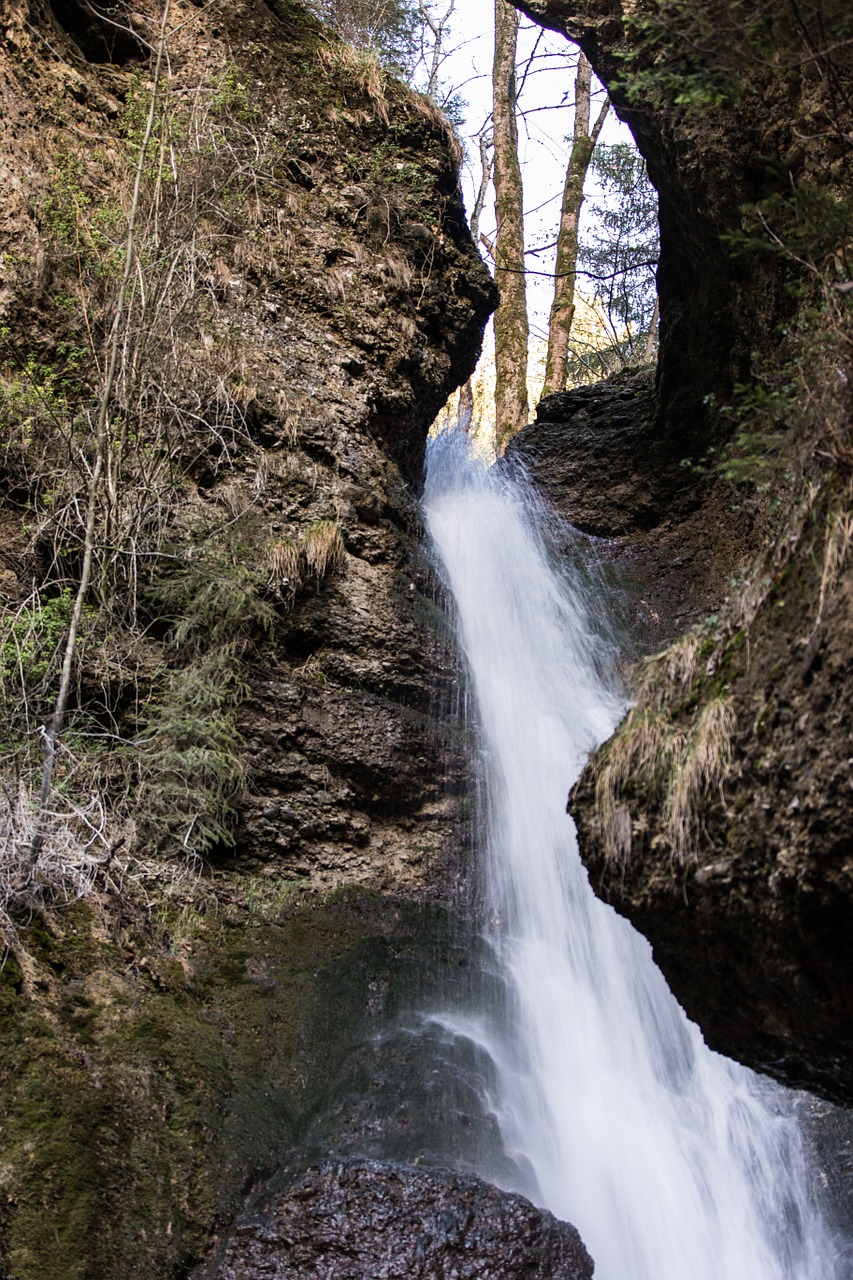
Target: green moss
pixel 141 1094
pixel 11 982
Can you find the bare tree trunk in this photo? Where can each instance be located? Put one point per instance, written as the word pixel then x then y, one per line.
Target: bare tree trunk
pixel 466 393
pixel 51 734
pixel 511 316
pixel 437 28
pixel 563 306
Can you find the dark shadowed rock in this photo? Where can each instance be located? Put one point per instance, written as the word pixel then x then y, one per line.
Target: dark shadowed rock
pixel 598 460
pixel 590 452
pixel 369 1221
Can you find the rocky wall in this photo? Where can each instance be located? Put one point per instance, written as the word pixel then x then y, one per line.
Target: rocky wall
pixel 306 295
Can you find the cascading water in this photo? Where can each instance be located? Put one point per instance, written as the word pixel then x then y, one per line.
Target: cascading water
pixel 673 1163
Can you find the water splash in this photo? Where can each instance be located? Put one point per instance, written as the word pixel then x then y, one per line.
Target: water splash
pixel 673 1163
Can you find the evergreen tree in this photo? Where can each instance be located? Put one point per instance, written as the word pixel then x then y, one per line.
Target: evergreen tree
pixel 620 249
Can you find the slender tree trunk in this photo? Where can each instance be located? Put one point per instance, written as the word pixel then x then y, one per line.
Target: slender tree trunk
pixel 511 315
pixel 466 393
pixel 437 28
pixel 563 306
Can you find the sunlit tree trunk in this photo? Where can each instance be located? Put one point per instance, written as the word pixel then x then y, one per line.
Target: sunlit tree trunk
pixel 563 306
pixel 466 393
pixel 511 315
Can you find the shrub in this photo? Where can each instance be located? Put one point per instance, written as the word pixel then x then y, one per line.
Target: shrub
pixel 189 758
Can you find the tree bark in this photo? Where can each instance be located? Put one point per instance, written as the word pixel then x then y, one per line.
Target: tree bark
pixel 465 415
pixel 511 316
pixel 565 270
pixel 437 28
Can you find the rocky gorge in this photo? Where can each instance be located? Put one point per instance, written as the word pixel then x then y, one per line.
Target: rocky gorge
pixel 744 905
pixel 203 1019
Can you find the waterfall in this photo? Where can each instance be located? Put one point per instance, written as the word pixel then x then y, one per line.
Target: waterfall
pixel 673 1163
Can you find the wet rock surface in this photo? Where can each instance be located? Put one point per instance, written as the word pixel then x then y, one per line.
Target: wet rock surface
pixel 364 1220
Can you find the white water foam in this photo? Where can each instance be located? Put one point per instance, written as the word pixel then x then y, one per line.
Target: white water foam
pixel 673 1163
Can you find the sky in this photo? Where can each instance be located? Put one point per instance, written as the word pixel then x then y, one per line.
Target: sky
pixel 546 100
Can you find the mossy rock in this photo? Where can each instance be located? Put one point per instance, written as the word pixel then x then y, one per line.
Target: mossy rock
pixel 141 1098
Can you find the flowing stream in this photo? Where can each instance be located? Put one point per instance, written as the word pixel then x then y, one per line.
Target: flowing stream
pixel 673 1163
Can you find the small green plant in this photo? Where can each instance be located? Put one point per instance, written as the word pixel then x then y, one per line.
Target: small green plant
pixel 31 640
pixel 31 637
pixel 808 224
pixel 72 218
pixel 190 758
pixel 230 96
pixel 266 896
pixel 212 593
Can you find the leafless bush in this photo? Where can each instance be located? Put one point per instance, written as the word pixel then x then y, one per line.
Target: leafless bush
pixel 75 849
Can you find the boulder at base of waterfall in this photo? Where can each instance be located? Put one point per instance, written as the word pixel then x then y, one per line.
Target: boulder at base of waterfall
pixel 363 1219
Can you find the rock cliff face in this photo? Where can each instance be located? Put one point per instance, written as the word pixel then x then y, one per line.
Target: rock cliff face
pixel 588 453
pixel 718 818
pixel 261 645
pixel 337 298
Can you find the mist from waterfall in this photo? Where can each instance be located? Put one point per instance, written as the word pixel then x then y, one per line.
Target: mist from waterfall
pixel 673 1163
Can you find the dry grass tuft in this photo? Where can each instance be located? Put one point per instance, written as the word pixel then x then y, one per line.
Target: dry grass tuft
pixel 235 498
pixel 284 560
pixel 324 548
pixel 290 563
pixel 639 755
pixel 702 766
pixel 396 271
pixel 650 758
pixel 670 671
pixel 839 538
pixel 362 67
pixel 334 283
pixel 437 120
